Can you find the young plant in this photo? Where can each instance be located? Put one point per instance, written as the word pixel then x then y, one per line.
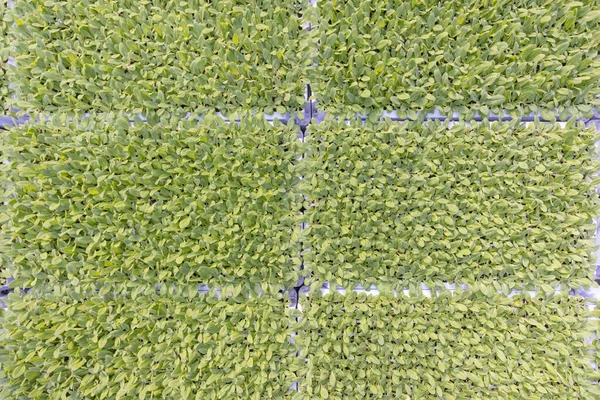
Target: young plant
pixel 488 56
pixel 400 203
pixel 105 200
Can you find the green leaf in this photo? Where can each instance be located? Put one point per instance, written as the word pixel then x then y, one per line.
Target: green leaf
pixel 547 289
pixel 453 208
pixel 501 355
pixel 412 375
pixel 185 223
pixel 496 100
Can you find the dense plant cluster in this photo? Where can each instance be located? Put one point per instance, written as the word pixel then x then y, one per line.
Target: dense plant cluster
pixel 476 55
pixel 105 200
pixel 477 344
pixel 126 194
pixel 4 53
pixel 158 56
pixel 462 346
pixel 159 347
pixel 410 202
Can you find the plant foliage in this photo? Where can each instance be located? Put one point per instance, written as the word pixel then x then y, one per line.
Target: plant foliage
pixel 105 200
pixel 468 345
pixel 159 347
pixel 158 56
pixel 410 202
pixel 468 55
pixel 4 53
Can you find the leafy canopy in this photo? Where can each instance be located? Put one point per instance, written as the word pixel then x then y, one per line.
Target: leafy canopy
pixel 4 53
pixel 400 203
pixel 470 345
pixel 467 55
pixel 158 56
pixel 160 347
pixel 103 200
